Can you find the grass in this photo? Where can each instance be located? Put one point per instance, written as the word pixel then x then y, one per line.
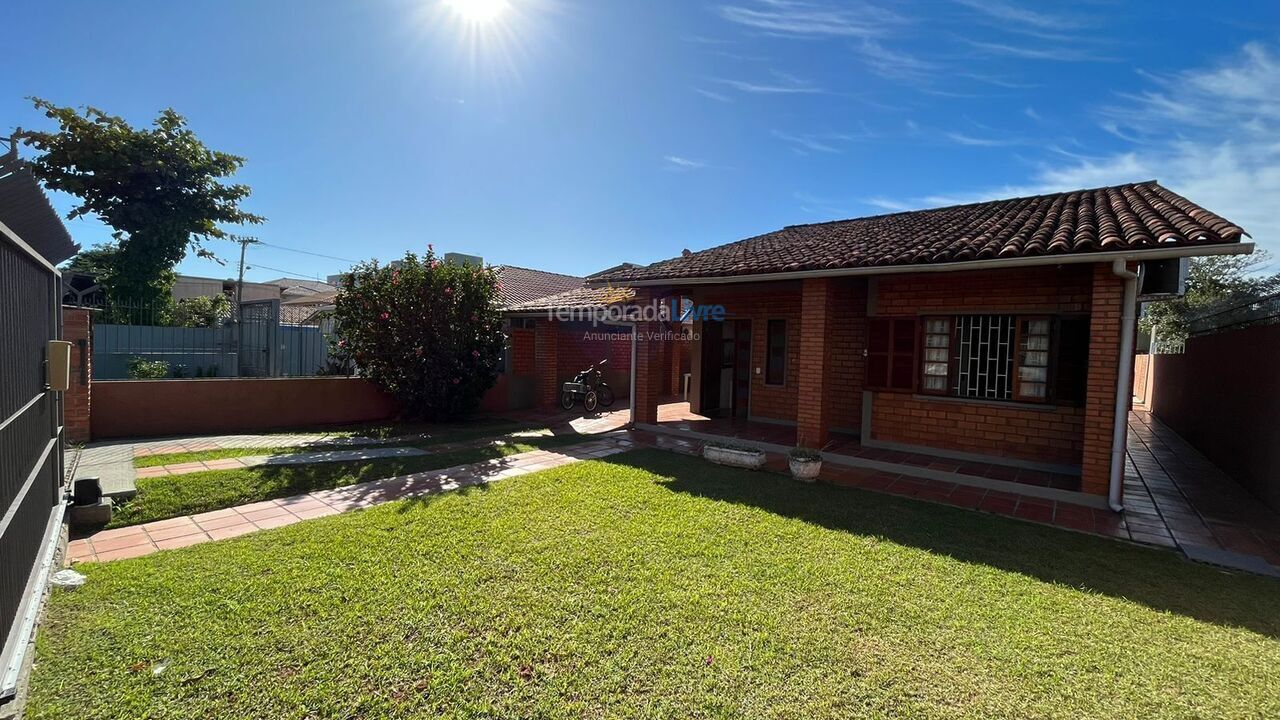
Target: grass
pixel 160 498
pixel 653 585
pixel 219 454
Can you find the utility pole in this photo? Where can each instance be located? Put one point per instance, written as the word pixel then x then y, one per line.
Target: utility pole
pixel 244 244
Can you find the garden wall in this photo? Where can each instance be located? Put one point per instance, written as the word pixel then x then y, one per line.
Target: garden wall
pixel 1224 402
pixel 141 408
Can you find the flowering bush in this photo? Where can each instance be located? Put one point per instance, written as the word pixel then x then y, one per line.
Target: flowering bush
pixel 427 332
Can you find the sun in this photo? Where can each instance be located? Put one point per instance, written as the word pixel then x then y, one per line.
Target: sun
pixel 477 11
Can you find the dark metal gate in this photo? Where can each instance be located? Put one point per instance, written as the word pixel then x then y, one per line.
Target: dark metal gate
pixel 259 339
pixel 31 457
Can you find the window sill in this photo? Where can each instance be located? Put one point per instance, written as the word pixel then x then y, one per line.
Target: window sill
pixel 1042 407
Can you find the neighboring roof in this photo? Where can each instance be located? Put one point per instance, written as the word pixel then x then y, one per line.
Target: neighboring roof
pixel 25 209
pixel 320 298
pixel 615 268
pixel 522 284
pixel 1123 217
pixel 578 298
pixel 301 286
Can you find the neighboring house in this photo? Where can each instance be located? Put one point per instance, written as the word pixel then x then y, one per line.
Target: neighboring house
pixel 190 286
pixel 300 288
pixel 997 334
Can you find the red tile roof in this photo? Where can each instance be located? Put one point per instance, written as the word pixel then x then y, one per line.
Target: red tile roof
pixel 522 284
pixel 584 297
pixel 1123 217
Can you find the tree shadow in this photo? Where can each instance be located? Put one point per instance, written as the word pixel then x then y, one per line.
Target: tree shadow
pixel 1159 579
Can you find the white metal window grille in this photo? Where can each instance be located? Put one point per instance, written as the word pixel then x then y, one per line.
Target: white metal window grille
pixel 984 356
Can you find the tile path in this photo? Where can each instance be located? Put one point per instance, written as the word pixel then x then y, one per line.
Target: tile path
pixel 139 540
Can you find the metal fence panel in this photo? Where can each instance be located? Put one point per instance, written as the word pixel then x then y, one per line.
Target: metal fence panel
pixel 30 442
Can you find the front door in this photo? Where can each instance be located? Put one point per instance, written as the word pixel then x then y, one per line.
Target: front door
pixel 741 368
pixel 726 368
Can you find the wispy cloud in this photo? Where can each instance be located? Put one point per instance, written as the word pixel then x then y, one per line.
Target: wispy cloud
pixel 719 97
pixel 1040 52
pixel 1208 133
pixel 833 143
pixel 963 139
pixel 1010 14
pixel 675 162
pixel 781 83
pixel 888 204
pixel 998 81
pixel 808 19
pixel 1031 113
pixel 894 64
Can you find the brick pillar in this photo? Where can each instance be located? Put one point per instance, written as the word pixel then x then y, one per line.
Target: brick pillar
pixel 546 358
pixel 813 414
pixel 677 352
pixel 650 367
pixel 76 329
pixel 1104 364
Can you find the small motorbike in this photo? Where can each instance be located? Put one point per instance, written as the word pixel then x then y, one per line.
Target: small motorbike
pixel 588 386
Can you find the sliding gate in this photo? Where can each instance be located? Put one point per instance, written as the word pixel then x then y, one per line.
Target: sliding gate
pixel 30 444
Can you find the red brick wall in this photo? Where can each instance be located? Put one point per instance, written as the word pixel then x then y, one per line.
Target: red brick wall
pixel 816 375
pixel 546 340
pixel 76 401
pixel 148 408
pixel 1054 435
pixel 522 352
pixel 581 345
pixel 1104 354
pixel 1141 363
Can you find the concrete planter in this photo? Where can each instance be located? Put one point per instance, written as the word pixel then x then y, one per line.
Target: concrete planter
pixel 805 470
pixel 748 459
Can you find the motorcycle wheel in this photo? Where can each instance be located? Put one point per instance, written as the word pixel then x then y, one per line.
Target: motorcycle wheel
pixel 591 401
pixel 606 394
pixel 567 400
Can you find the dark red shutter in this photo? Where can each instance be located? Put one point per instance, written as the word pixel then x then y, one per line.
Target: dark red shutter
pixel 902 373
pixel 879 342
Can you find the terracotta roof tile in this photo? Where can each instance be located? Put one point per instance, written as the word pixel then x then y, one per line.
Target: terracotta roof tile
pixel 522 284
pixel 582 297
pixel 1121 217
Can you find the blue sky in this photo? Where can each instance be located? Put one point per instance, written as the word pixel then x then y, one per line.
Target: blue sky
pixel 571 135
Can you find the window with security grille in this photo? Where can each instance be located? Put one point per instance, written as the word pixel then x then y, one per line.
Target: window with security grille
pixel 983 354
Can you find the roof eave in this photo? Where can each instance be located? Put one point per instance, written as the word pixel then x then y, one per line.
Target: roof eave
pixel 1157 253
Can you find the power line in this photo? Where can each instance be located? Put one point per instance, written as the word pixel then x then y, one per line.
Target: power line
pixel 260 266
pixel 305 252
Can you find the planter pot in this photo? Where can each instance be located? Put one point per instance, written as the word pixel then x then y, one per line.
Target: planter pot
pixel 805 470
pixel 748 459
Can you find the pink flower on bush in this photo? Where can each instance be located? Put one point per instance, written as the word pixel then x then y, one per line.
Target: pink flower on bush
pixel 435 264
pixel 385 316
pixel 395 277
pixel 457 380
pixel 342 343
pixel 448 292
pixel 475 354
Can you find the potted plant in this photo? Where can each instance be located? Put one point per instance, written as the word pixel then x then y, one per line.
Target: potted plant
pixel 805 463
pixel 741 456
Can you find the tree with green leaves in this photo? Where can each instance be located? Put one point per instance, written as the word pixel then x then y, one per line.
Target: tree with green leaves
pixel 160 189
pixel 1214 283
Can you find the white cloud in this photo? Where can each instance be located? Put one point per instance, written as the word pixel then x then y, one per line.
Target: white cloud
pixel 894 64
pixel 805 19
pixel 963 139
pixel 833 143
pixel 675 162
pixel 782 83
pixel 718 97
pixel 1209 134
pixel 1040 52
pixel 1010 14
pixel 1031 113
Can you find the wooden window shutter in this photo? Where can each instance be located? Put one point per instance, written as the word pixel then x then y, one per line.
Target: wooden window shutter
pixel 891 354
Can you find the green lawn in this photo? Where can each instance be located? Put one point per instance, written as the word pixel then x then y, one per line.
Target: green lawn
pixel 170 496
pixel 203 455
pixel 656 585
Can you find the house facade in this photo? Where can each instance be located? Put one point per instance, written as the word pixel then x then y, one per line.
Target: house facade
pixel 995 335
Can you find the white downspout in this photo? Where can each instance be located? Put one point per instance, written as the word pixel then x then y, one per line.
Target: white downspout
pixel 1124 380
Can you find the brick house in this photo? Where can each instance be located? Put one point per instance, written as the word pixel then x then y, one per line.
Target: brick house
pixel 996 335
pixel 543 352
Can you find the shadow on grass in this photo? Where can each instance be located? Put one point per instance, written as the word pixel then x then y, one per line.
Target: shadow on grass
pixel 1159 579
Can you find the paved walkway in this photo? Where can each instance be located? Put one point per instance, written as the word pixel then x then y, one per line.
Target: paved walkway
pixel 1173 492
pixel 139 540
pixel 306 458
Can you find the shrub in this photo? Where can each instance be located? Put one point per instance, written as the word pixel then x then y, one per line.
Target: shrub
pixel 205 311
pixel 425 331
pixel 804 454
pixel 144 369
